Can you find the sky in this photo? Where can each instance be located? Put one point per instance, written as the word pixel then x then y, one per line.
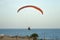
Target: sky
pixel 29 17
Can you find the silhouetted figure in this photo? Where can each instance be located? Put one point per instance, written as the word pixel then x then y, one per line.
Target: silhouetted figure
pixel 29 28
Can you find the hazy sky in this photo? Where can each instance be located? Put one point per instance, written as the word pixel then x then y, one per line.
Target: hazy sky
pixel 9 18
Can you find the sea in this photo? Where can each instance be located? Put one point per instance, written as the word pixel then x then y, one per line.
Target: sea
pixel 42 33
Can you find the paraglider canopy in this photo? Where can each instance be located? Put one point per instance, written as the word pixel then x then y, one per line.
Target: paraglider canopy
pixel 35 7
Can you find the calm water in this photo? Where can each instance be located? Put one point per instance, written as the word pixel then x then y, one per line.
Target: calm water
pixel 48 33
